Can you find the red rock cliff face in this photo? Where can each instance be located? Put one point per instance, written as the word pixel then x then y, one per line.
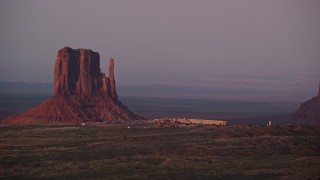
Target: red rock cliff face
pixel 78 72
pixel 81 93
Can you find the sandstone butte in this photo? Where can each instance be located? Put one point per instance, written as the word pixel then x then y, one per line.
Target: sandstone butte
pixel 309 110
pixel 82 93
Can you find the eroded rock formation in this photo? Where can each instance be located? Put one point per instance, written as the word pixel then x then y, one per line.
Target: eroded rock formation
pixel 82 93
pixel 309 111
pixel 78 72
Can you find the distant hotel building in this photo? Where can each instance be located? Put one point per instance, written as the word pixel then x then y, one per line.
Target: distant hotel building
pixel 196 121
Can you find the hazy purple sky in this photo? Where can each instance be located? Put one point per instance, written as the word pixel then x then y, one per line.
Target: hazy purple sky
pixel 167 41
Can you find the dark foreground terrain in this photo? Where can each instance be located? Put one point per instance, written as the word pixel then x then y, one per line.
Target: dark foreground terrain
pixel 101 152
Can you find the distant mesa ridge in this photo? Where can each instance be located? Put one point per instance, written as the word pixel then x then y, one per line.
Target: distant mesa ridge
pixel 319 90
pixel 309 110
pixel 82 93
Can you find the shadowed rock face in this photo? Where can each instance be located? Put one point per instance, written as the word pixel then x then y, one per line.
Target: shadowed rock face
pixel 82 93
pixel 310 110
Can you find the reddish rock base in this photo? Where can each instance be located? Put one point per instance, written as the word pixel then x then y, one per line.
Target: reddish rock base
pixel 74 109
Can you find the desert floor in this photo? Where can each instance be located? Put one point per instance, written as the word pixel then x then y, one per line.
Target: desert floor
pixel 209 152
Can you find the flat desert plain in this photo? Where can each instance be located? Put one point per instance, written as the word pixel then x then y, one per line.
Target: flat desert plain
pixel 144 152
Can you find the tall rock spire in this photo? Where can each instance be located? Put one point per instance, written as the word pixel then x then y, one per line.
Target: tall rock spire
pixel 113 92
